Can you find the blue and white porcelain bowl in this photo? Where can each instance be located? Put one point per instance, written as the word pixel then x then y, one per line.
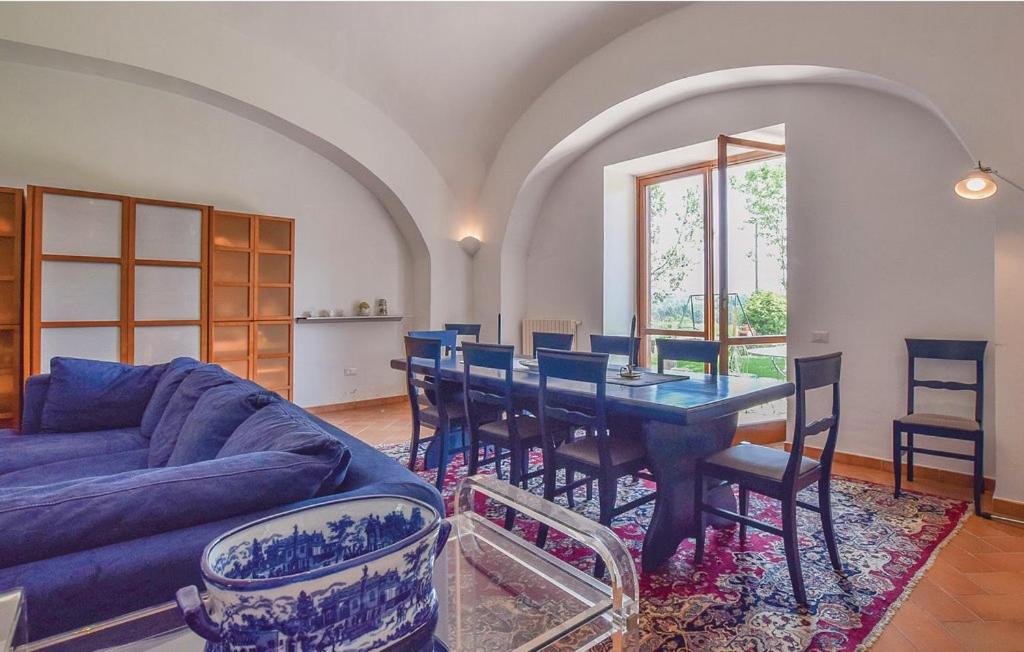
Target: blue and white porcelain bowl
pixel 351 574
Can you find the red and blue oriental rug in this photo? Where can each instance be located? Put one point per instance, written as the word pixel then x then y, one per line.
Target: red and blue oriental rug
pixel 740 598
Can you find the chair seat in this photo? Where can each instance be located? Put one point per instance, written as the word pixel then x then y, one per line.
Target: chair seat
pixel 429 415
pixel 760 461
pixel 623 451
pixel 528 428
pixel 940 421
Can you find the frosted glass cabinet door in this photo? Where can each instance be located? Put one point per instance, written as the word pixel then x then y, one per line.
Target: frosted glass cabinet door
pixel 82 226
pixel 95 343
pixel 156 344
pixel 166 292
pixel 168 232
pixel 81 291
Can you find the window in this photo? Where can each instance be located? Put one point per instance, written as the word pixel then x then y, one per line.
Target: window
pixel 680 213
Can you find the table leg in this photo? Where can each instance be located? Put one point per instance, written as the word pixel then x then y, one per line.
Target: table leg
pixel 673 452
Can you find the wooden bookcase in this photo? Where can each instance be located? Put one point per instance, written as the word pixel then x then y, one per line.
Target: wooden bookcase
pixel 251 295
pixel 12 203
pixel 114 278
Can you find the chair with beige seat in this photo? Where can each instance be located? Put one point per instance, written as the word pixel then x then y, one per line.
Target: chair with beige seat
pixel 942 425
pixel 774 473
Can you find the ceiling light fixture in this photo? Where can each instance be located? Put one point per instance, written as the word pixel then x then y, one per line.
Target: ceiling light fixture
pixel 979 183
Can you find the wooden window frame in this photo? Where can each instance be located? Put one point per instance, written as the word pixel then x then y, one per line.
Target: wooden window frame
pixel 713 250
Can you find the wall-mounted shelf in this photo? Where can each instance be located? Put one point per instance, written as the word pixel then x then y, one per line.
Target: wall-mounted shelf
pixel 325 320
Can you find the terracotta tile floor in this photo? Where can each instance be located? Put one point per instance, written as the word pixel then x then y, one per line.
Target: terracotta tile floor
pixel 972 598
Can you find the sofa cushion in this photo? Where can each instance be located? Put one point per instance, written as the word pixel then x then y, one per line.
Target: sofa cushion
pixel 285 427
pixel 198 381
pixel 27 451
pixel 216 415
pixel 89 395
pixel 103 510
pixel 177 370
pixel 76 469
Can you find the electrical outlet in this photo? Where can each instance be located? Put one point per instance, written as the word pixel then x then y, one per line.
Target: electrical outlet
pixel 351 371
pixel 819 336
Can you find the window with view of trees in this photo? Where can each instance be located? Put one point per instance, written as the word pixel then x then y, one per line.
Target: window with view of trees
pixel 676 282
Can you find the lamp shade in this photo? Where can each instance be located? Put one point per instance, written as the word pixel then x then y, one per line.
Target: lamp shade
pixel 470 245
pixel 978 184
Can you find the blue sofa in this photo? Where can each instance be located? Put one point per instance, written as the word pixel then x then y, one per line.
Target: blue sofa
pixel 122 474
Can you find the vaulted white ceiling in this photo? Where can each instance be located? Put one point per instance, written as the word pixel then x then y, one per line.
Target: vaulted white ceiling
pixel 454 75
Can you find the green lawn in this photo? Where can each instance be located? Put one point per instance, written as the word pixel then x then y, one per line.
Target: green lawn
pixel 748 364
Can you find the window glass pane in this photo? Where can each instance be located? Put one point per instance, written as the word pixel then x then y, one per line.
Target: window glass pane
pixel 156 344
pixel 81 291
pixel 272 373
pixel 82 226
pixel 98 343
pixel 273 338
pixel 166 292
pixel 230 302
pixel 168 232
pixel 231 266
pixel 275 234
pixel 275 268
pixel 757 248
pixel 675 217
pixel 274 302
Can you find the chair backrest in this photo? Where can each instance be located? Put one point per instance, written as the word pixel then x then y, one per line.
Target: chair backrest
pixel 705 351
pixel 486 356
pixel 581 367
pixel 965 350
pixel 468 330
pixel 813 373
pixel 447 337
pixel 560 341
pixel 424 348
pixel 616 345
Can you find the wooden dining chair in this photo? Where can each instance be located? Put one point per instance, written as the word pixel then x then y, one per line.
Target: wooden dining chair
pixel 440 411
pixel 705 351
pixel 560 341
pixel 448 338
pixel 774 473
pixel 465 330
pixel 514 430
pixel 598 456
pixel 942 425
pixel 616 345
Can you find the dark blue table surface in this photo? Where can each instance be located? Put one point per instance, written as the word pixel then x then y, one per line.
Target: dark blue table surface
pixel 700 398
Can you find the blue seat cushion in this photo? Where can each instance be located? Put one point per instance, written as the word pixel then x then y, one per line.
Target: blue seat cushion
pixel 76 469
pixel 27 451
pixel 89 395
pixel 279 428
pixel 177 370
pixel 198 381
pixel 216 415
pixel 41 522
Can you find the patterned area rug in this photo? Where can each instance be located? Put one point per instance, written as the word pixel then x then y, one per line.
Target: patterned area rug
pixel 740 598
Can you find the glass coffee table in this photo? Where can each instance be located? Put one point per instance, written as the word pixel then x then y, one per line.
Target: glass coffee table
pixel 496 591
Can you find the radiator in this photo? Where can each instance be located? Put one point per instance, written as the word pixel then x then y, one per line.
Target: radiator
pixel 531 326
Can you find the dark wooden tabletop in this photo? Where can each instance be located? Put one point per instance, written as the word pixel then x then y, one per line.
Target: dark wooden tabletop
pixel 687 401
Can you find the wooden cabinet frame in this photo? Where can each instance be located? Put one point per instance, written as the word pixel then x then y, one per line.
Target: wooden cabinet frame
pixel 127 261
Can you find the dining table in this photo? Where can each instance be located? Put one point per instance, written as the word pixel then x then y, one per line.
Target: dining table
pixel 679 422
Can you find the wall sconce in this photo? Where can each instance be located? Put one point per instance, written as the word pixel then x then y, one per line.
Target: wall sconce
pixel 470 244
pixel 980 184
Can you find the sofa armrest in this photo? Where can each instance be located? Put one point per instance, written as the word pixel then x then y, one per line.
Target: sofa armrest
pixel 32 406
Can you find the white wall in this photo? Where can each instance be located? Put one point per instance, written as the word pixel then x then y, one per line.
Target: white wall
pixel 78 131
pixel 879 246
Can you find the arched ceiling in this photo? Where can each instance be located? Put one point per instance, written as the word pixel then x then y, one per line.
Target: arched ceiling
pixel 454 75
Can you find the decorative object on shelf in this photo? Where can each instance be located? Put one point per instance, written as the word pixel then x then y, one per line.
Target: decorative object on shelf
pixel 363 309
pixel 323 313
pixel 337 312
pixel 470 244
pixel 312 577
pixel 382 307
pixel 306 314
